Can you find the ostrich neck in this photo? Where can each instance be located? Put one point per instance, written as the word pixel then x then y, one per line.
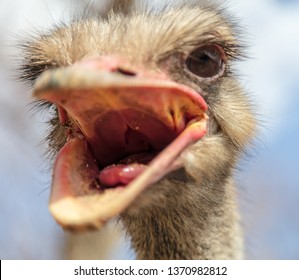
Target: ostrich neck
pixel 194 222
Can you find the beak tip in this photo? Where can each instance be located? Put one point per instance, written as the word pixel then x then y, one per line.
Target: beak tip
pixel 70 217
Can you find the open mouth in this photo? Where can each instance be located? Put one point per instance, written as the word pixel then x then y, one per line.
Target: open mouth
pixel 124 134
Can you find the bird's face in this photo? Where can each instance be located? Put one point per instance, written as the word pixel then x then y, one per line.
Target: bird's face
pixel 138 98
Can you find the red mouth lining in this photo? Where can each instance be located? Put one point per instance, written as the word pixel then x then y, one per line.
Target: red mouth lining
pixel 124 144
pixel 120 133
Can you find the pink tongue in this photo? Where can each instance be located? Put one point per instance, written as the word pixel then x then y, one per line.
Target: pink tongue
pixel 121 174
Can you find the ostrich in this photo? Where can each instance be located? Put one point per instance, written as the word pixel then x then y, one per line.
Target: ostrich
pixel 149 121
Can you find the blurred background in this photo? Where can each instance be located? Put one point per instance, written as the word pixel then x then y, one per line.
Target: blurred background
pixel 268 179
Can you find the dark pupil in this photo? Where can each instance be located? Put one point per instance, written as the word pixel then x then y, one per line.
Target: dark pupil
pixel 204 59
pixel 205 62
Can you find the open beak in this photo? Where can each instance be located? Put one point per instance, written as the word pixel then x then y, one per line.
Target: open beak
pixel 125 133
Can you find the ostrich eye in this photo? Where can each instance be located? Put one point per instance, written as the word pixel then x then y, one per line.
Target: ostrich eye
pixel 206 61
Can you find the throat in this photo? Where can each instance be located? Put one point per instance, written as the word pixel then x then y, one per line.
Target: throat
pixel 162 224
pixel 160 237
pixel 194 227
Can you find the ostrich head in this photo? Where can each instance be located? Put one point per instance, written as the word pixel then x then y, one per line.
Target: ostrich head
pixel 149 121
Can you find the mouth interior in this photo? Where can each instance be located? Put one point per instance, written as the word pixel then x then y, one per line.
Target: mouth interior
pixel 124 143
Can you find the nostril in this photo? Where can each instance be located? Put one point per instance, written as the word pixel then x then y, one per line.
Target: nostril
pixel 125 72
